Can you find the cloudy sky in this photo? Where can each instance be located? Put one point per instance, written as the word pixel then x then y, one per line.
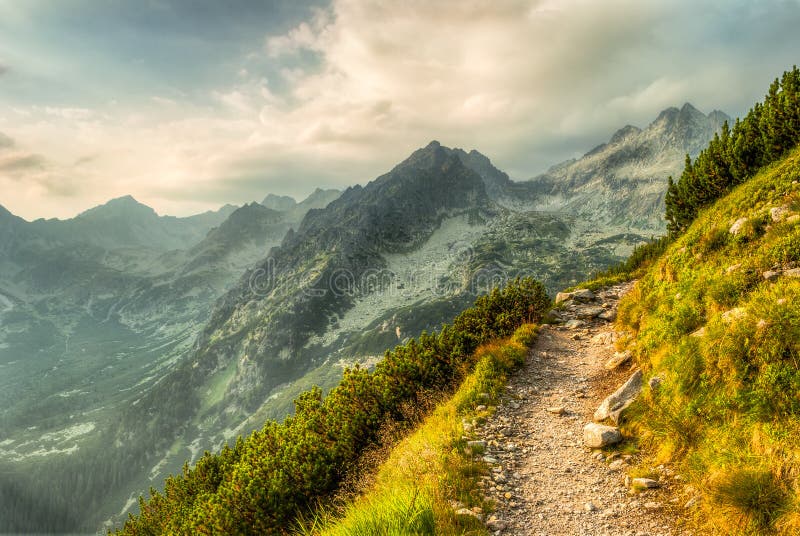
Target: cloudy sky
pixel 191 104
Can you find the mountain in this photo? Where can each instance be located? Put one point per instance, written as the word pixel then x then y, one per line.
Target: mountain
pixel 124 222
pixel 281 203
pixel 168 336
pixel 623 182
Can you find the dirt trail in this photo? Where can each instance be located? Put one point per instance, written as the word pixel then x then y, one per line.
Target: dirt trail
pixel 544 480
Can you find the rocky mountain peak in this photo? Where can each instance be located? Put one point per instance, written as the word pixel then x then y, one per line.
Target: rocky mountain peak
pixel 279 202
pixel 124 207
pixel 624 133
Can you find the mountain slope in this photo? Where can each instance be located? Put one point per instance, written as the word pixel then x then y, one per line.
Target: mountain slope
pixel 716 321
pixel 623 182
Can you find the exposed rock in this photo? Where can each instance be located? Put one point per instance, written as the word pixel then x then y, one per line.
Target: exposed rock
pixel 736 228
pixel 574 324
pixel 598 435
pixel 618 359
pixel 467 512
pixel 613 406
pixel 645 483
pixel 779 213
pixel 792 272
pixel 618 465
pixel 771 275
pixel 655 383
pixel 589 312
pixel 583 295
pixel 496 524
pixel 490 459
pixel 610 315
pixel 794 218
pixel 734 314
pixel 580 295
pixel 732 268
pixel 557 410
pixel 699 332
pixel 590 507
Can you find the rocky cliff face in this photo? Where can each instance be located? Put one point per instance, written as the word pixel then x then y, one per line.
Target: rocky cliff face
pixel 623 182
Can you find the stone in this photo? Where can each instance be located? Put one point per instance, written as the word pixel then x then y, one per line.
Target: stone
pixel 574 324
pixel 618 359
pixel 779 213
pixel 655 383
pixel 691 503
pixel 771 275
pixel 581 295
pixel 587 313
pixel 598 435
pixel 793 272
pixel 496 524
pixel 562 297
pixel 645 483
pixel 467 512
pixel 480 407
pixel 733 314
pixel 490 459
pixel 557 410
pixel 590 507
pixel 736 228
pixel 699 332
pixel 652 505
pixel 617 465
pixel 613 406
pixel 609 315
pixel 732 268
pixel 794 218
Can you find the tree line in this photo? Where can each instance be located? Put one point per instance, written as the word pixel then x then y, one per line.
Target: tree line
pixel 763 136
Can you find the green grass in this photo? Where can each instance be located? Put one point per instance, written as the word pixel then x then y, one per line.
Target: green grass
pixel 726 343
pixel 412 490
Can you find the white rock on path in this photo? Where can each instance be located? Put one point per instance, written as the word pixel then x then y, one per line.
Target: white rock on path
pixel 599 435
pixel 618 359
pixel 613 406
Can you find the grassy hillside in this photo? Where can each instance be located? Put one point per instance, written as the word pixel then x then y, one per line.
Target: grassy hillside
pixel 433 469
pixel 717 319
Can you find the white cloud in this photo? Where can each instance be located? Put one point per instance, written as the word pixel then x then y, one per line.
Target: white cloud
pixel 365 83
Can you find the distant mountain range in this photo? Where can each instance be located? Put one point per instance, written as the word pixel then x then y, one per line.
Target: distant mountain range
pixel 165 336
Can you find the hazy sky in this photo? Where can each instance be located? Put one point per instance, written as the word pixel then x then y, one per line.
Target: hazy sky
pixel 188 105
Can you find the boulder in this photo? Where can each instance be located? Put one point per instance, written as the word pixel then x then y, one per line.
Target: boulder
pixel 609 315
pixel 645 483
pixel 779 213
pixel 618 359
pixel 574 324
pixel 771 275
pixel 589 312
pixel 613 406
pixel 793 272
pixel 597 436
pixel 581 295
pixel 736 228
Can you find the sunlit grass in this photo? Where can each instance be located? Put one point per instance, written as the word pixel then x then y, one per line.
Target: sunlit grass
pixel 726 344
pixel 414 489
